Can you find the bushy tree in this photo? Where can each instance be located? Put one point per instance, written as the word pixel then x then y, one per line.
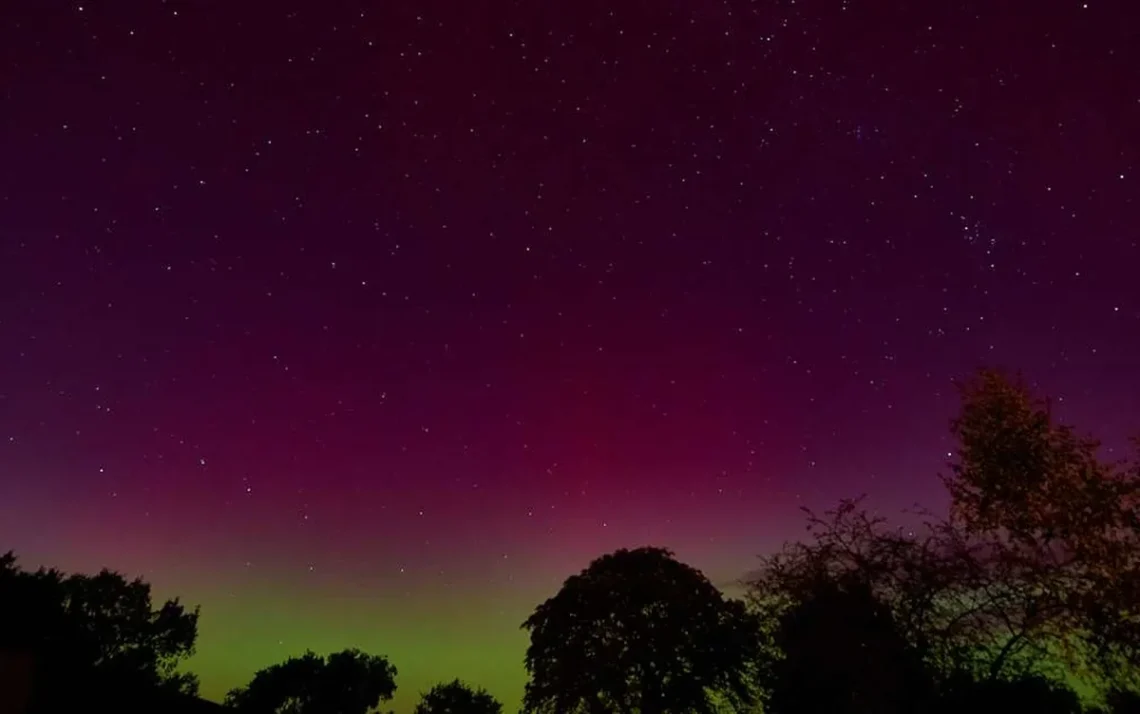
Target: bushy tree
pixel 841 652
pixel 1036 572
pixel 1063 525
pixel 963 693
pixel 923 576
pixel 638 631
pixel 1123 702
pixel 93 636
pixel 347 682
pixel 456 697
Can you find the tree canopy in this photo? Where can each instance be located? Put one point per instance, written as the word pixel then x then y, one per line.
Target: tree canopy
pixel 841 652
pixel 1062 525
pixel 638 631
pixel 347 682
pixel 456 697
pixel 92 635
pixel 1035 574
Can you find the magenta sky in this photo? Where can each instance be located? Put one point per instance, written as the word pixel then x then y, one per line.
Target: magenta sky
pixel 365 326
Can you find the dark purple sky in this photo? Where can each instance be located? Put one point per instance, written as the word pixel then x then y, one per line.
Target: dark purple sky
pixel 419 306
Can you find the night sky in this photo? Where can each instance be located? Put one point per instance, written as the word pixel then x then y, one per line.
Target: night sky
pixel 365 324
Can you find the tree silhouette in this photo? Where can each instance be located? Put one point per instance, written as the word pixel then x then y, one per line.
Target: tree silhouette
pixel 638 631
pixel 839 651
pixel 928 578
pixel 348 682
pixel 94 636
pixel 455 697
pixel 1036 571
pixel 1123 702
pixel 1030 693
pixel 1062 525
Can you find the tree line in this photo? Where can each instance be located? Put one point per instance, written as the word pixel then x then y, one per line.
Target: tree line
pixel 1030 584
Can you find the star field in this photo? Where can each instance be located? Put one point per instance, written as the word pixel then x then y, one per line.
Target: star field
pixel 366 324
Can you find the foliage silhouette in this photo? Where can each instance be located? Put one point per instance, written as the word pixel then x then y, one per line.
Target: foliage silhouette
pixel 347 682
pixel 1123 702
pixel 455 697
pixel 1063 526
pixel 638 631
pixel 841 652
pixel 94 637
pixel 1030 693
pixel 1035 573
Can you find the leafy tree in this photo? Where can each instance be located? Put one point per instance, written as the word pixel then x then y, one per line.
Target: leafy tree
pixel 93 636
pixel 1029 693
pixel 638 631
pixel 1063 524
pixel 924 577
pixel 348 682
pixel 1036 570
pixel 841 652
pixel 1123 702
pixel 455 697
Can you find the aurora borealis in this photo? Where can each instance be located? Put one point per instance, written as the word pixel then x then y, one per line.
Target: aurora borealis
pixel 366 324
